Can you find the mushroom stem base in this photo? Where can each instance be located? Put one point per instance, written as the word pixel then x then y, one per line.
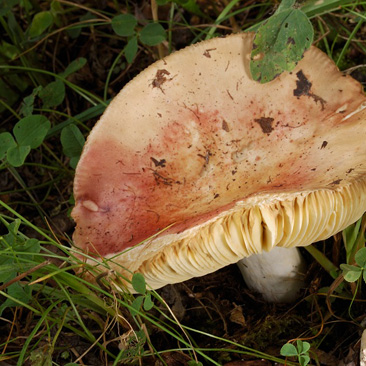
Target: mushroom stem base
pixel 278 275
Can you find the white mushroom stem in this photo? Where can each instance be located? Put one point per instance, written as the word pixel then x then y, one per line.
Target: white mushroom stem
pixel 278 275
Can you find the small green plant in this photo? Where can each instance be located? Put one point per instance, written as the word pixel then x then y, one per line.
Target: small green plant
pixel 29 134
pixel 352 272
pixel 301 351
pixel 53 94
pixel 151 34
pixel 139 285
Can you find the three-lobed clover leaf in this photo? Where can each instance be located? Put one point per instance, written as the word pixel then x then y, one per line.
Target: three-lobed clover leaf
pixel 301 351
pixel 139 285
pixel 151 34
pixel 29 134
pixel 53 94
pixel 352 273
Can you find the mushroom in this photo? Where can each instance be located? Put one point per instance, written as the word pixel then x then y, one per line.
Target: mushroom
pixel 194 165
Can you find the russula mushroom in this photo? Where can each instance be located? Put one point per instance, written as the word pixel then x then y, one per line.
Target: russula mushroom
pixel 202 166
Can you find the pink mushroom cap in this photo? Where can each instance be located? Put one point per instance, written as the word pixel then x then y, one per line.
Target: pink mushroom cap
pixel 202 166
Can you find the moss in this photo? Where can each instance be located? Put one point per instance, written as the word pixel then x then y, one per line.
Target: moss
pixel 272 331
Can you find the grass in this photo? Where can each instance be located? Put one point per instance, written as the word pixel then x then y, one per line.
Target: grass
pixel 64 61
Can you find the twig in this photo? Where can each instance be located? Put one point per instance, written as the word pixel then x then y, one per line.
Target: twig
pixel 25 274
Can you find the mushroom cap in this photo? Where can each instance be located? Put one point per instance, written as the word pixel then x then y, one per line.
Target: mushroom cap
pixel 201 166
